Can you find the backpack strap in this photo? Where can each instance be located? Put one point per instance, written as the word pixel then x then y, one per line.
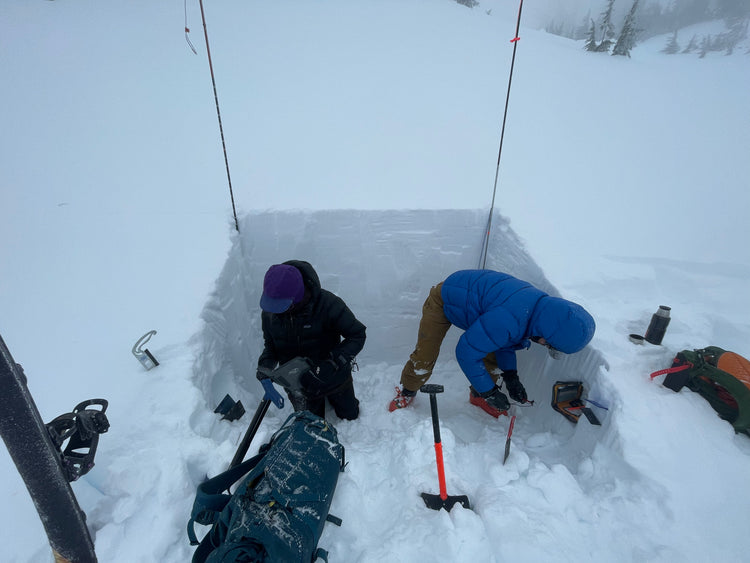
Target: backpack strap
pixel 334 520
pixel 210 498
pixel 671 370
pixel 677 376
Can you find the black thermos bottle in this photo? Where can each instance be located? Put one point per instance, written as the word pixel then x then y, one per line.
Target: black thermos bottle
pixel 658 325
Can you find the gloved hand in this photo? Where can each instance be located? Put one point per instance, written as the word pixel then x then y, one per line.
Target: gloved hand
pixel 515 387
pixel 496 398
pixel 262 373
pixel 320 377
pixel 271 393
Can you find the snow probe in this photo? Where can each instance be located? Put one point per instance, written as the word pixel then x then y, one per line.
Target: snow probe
pixel 38 461
pixel 486 242
pixel 436 502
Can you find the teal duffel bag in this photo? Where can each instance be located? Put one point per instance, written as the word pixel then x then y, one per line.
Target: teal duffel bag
pixel 279 509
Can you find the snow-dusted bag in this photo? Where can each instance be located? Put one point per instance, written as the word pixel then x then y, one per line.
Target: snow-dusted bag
pixel 279 509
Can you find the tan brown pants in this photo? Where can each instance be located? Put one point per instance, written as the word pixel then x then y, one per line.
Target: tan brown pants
pixel 432 330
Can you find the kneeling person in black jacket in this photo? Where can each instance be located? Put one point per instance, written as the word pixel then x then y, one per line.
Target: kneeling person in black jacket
pixel 302 319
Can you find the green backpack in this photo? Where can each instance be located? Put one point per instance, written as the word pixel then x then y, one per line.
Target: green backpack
pixel 720 377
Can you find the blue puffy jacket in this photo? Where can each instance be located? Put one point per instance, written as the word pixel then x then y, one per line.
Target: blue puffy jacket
pixel 500 313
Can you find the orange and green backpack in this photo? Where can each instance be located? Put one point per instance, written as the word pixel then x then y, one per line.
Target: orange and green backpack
pixel 719 376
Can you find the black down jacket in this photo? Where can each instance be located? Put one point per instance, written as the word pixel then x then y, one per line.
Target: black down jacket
pixel 321 328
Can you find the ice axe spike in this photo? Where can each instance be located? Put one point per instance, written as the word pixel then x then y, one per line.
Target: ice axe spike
pixel 436 502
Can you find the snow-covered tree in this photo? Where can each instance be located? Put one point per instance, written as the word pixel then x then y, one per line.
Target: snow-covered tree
pixel 692 45
pixel 705 46
pixel 582 31
pixel 591 39
pixel 628 34
pixel 607 28
pixel 672 46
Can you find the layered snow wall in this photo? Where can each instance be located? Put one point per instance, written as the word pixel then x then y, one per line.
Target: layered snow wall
pixel 382 263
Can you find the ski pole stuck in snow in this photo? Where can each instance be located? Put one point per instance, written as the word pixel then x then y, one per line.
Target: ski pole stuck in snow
pixel 436 502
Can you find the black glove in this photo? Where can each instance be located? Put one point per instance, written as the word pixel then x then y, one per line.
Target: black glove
pixel 496 398
pixel 514 386
pixel 320 378
pixel 262 373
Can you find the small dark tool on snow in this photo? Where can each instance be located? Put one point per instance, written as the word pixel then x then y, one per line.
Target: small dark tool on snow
pixel 260 412
pixel 229 409
pixel 436 502
pixel 80 429
pixel 144 356
pixel 288 375
pixel 636 338
pixel 507 440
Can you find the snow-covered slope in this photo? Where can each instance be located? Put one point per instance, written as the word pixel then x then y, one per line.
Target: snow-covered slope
pixel 363 138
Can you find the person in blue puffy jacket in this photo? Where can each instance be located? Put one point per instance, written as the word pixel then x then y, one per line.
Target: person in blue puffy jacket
pixel 499 314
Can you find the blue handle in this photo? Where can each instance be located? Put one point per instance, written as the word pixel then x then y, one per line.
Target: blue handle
pixel 271 393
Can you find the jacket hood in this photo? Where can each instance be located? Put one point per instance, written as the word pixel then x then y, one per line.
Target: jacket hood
pixel 566 326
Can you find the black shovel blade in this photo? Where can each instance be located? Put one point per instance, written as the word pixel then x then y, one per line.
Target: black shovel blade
pixel 434 502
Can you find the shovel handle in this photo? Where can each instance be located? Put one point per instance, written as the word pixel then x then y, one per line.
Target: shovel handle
pixel 441 470
pixel 250 432
pixel 433 390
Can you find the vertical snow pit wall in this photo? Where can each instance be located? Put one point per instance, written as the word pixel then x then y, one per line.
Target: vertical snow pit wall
pixel 382 263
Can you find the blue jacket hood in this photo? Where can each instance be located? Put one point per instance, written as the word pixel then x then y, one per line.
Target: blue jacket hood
pixel 565 325
pixel 499 313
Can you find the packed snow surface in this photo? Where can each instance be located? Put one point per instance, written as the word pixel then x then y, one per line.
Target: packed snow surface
pixel 363 138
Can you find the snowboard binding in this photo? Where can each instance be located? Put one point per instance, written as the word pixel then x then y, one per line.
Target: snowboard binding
pixel 76 436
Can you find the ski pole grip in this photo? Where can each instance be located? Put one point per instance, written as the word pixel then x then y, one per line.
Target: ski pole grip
pixel 431 388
